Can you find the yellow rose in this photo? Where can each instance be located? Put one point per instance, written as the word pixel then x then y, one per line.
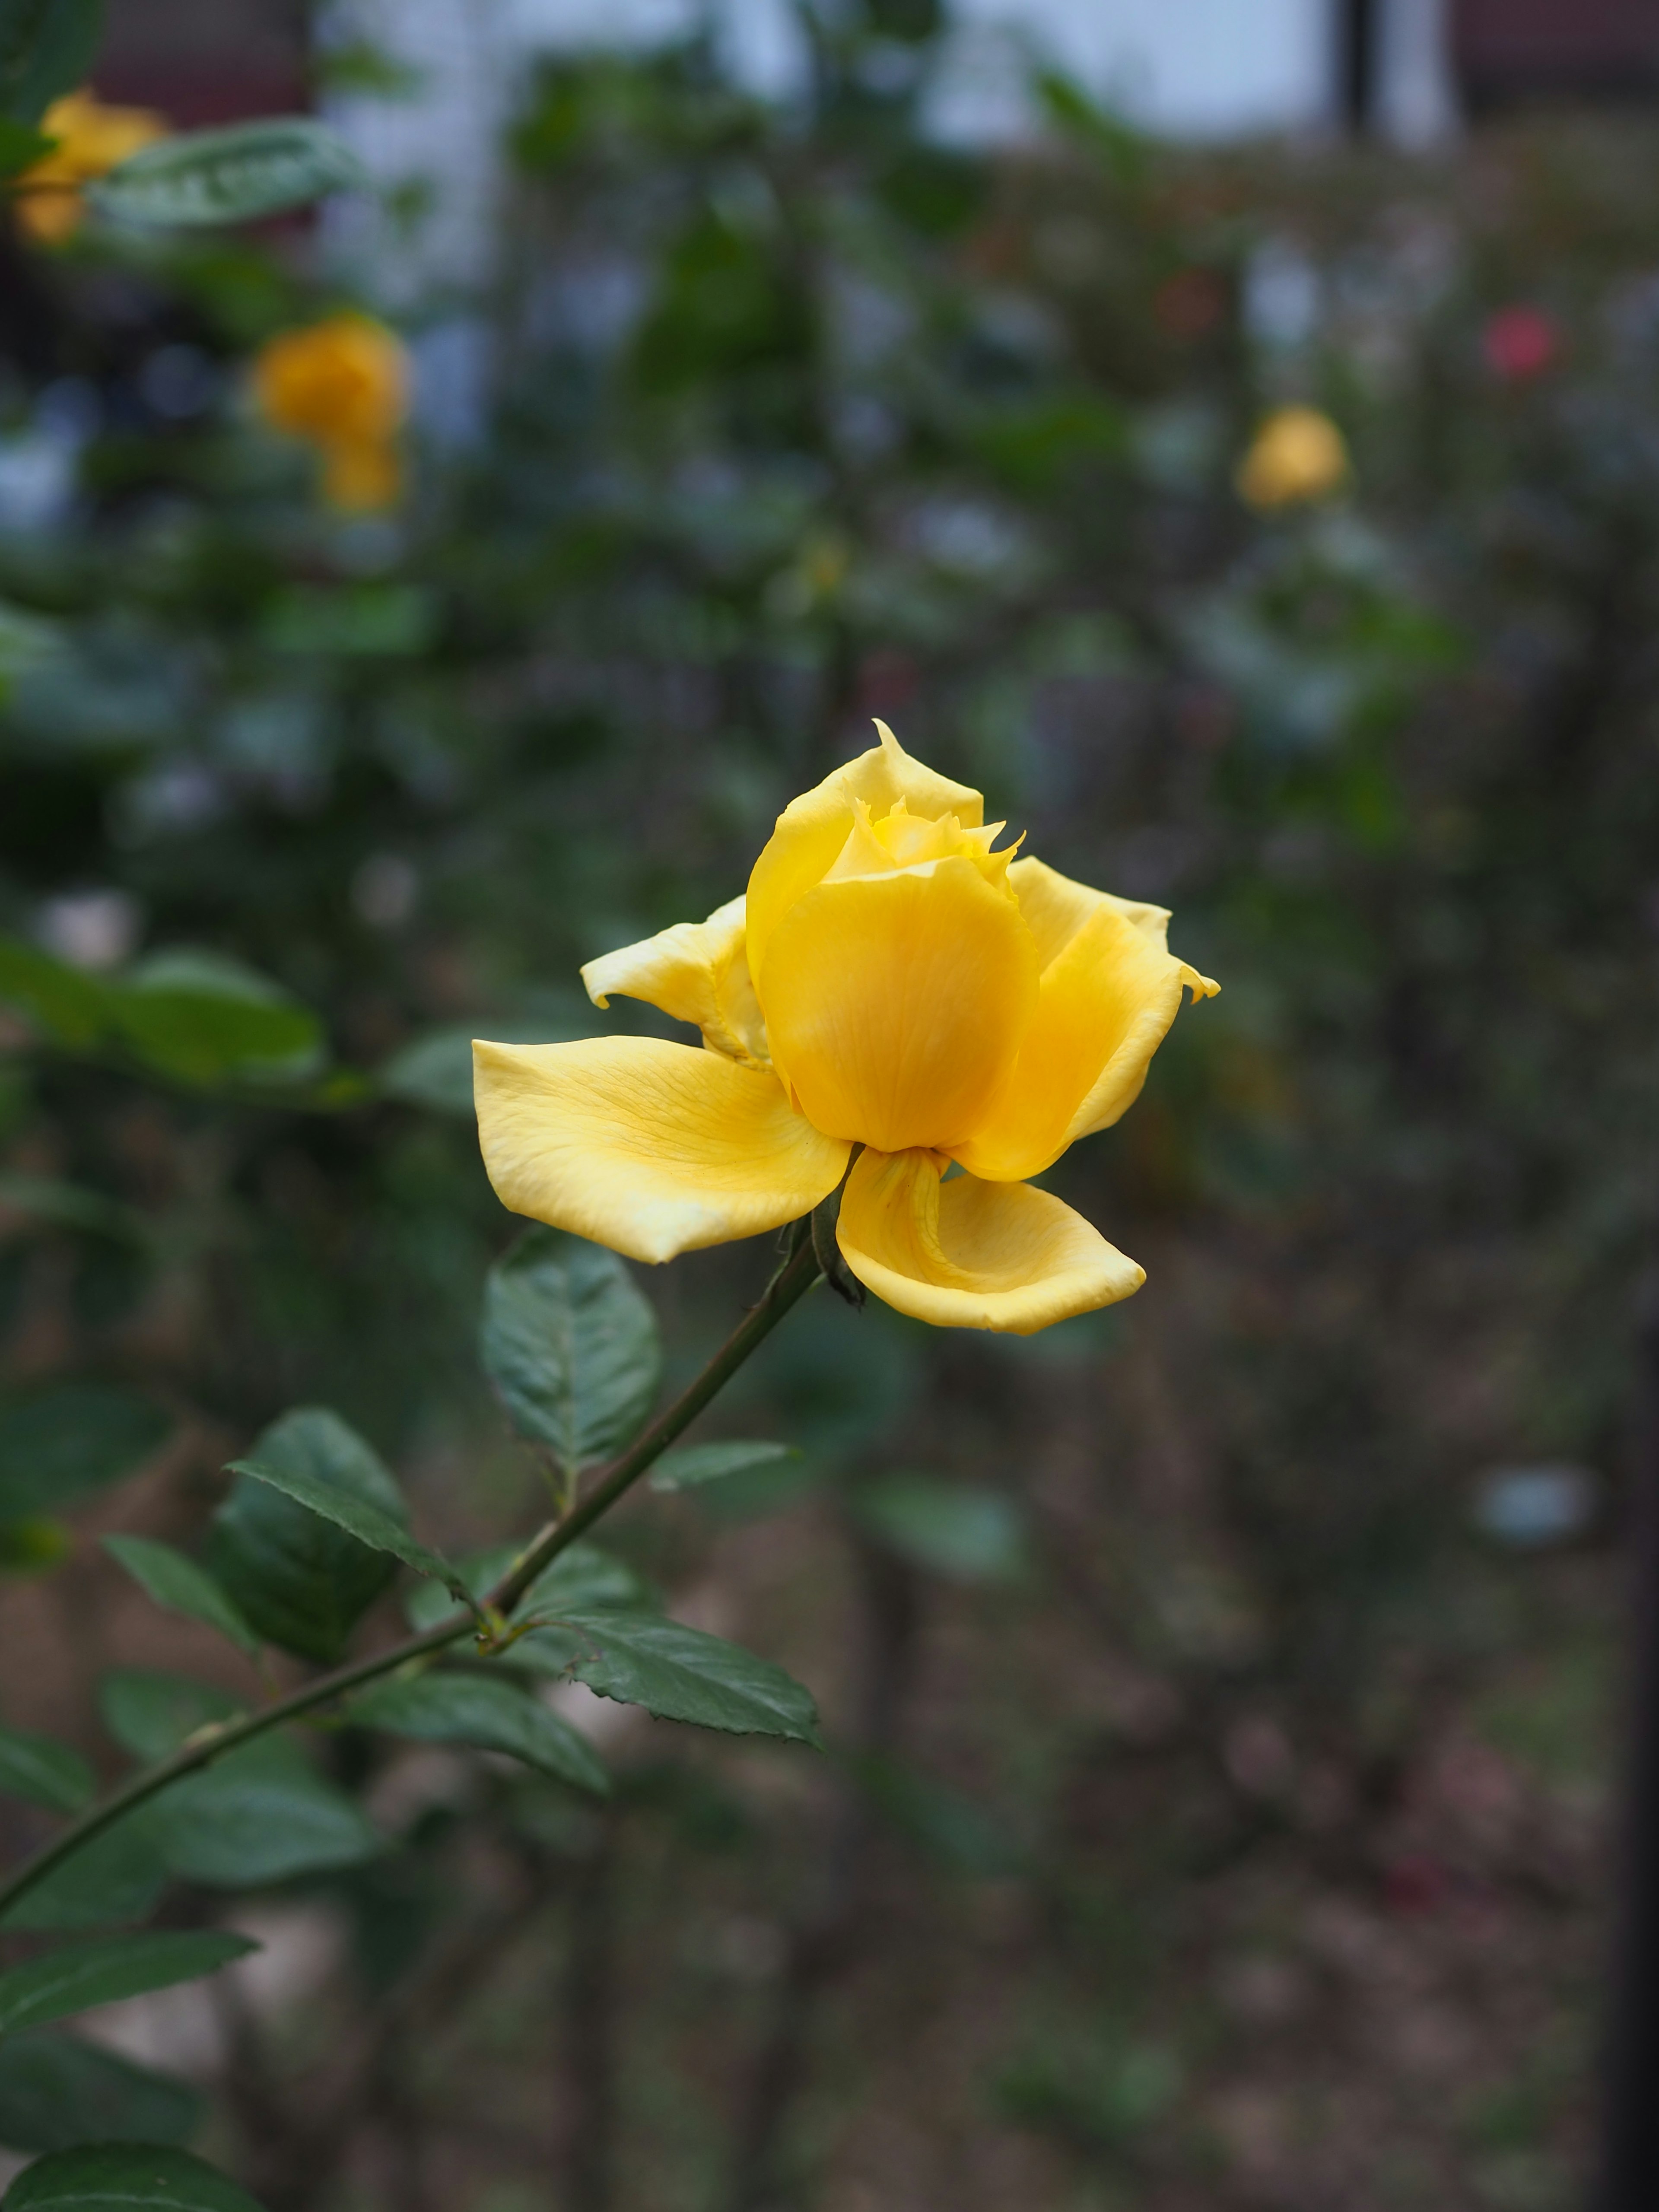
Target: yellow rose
pixel 889 981
pixel 1297 453
pixel 91 139
pixel 343 385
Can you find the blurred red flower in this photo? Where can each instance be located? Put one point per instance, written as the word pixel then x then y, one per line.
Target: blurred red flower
pixel 1520 343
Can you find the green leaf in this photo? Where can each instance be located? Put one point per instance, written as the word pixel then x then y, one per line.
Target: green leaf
pixel 46 48
pixel 201 1019
pixel 261 1813
pixel 109 1882
pixel 150 1714
pixel 61 1442
pixel 177 1584
pixel 678 1673
pixel 701 1463
pixel 57 2093
pixel 45 1772
pixel 229 175
pixel 81 1975
pixel 124 2178
pixel 299 1580
pixel 61 1002
pixel 964 1532
pixel 490 1715
pixel 367 1522
pixel 241 1822
pixel 21 147
pixel 571 1345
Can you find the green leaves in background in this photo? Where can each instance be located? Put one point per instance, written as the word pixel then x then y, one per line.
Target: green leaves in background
pixel 699 1463
pixel 960 1531
pixel 124 2178
pixel 571 1345
pixel 490 1715
pixel 43 1772
pixel 435 1070
pixel 46 48
pixel 110 1882
pixel 81 1975
pixel 195 1017
pixel 57 2093
pixel 301 1581
pixel 231 175
pixel 177 1584
pixel 678 1673
pixel 202 1019
pixel 262 1814
pixel 61 1442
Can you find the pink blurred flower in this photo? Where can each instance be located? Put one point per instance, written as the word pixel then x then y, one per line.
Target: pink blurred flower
pixel 1520 343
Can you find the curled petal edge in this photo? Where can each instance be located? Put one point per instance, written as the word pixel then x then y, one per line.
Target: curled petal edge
pixel 971 1254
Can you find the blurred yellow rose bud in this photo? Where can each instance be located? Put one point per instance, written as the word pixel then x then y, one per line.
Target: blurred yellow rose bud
pixel 91 139
pixel 1297 453
pixel 342 385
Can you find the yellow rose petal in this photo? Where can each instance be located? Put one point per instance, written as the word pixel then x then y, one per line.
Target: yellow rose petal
pixel 697 971
pixel 1105 1003
pixel 970 1255
pixel 812 828
pixel 896 1003
pixel 651 1148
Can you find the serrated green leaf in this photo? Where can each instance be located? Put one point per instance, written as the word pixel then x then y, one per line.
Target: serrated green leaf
pixel 177 1584
pixel 46 48
pixel 678 1673
pixel 201 1019
pixel 300 1580
pixel 45 1772
pixel 490 1715
pixel 966 1533
pixel 61 1002
pixel 367 1522
pixel 57 2093
pixel 701 1463
pixel 124 2178
pixel 61 1442
pixel 235 174
pixel 571 1345
pixel 81 1975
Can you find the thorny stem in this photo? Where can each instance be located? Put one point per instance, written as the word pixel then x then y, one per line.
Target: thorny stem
pixel 788 1287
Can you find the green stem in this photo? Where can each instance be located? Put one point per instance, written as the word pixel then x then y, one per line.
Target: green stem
pixel 786 1288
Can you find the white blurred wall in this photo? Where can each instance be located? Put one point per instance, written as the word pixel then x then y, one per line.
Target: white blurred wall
pixel 1208 69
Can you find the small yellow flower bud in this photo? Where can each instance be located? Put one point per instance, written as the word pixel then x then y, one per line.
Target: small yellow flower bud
pixel 1297 454
pixel 91 139
pixel 342 386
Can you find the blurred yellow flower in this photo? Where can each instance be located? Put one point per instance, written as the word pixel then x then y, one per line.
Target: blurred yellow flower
pixel 890 981
pixel 91 139
pixel 343 385
pixel 1297 453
